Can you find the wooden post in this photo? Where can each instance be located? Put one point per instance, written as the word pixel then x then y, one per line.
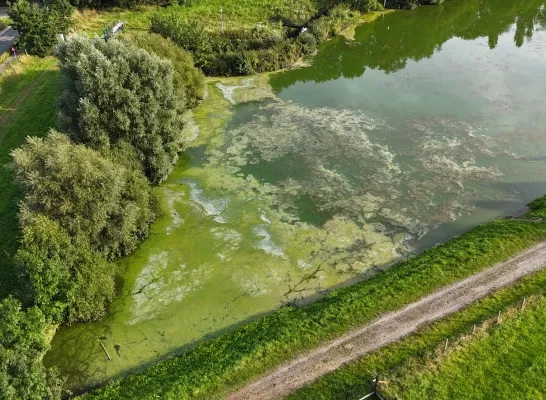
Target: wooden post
pixel 523 304
pixel 445 347
pixel 498 318
pixel 474 329
pixel 104 348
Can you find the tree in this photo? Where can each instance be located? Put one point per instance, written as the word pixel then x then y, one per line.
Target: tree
pixel 22 344
pixel 115 94
pixel 38 27
pixel 68 281
pixel 94 199
pixel 187 78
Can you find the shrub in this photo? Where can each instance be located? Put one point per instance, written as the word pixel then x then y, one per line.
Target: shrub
pixel 191 37
pixel 115 94
pixel 234 52
pixel 22 343
pixel 68 281
pixel 308 42
pixel 320 29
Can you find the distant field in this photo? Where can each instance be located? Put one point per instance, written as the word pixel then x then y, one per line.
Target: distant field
pixel 235 14
pixel 506 362
pixel 28 91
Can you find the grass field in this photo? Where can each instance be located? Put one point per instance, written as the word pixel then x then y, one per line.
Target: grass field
pixel 504 362
pixel 28 91
pixel 235 14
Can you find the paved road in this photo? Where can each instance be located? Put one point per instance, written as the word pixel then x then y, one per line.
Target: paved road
pixel 6 39
pixel 391 327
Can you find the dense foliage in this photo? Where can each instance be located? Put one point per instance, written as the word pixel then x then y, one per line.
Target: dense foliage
pixel 188 80
pixel 234 52
pixel 254 348
pixel 80 209
pixel 38 26
pixel 22 342
pixel 264 47
pixel 116 95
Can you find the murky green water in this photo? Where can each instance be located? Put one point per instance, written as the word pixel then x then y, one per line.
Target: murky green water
pixel 428 123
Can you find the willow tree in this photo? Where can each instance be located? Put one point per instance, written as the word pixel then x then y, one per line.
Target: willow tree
pixel 80 209
pixel 116 94
pixel 22 344
pixel 85 192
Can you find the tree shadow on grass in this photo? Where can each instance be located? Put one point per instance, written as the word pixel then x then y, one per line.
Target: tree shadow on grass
pixel 27 108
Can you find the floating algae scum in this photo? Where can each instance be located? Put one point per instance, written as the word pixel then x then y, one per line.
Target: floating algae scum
pixel 309 179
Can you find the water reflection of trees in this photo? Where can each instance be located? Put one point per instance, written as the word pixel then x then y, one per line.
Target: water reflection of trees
pixel 390 42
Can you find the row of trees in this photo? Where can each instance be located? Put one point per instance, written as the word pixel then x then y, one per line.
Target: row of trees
pixel 88 195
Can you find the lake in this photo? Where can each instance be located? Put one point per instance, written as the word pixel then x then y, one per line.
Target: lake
pixel 424 124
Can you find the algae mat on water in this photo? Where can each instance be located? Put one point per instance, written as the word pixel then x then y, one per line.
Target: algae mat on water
pixel 286 193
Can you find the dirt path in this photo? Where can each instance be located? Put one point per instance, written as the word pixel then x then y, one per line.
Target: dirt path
pixel 391 327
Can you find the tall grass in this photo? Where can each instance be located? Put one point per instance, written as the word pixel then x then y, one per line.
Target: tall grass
pixel 224 363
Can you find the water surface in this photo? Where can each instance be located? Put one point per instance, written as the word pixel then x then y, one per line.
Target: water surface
pixel 427 123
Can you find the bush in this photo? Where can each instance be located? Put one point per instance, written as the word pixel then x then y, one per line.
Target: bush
pixel 38 27
pixel 363 6
pixel 115 94
pixel 308 42
pixel 80 208
pixel 191 37
pixel 234 52
pixel 22 344
pixel 188 79
pixel 320 29
pixel 68 281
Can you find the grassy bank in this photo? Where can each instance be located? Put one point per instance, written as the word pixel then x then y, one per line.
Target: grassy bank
pixel 219 365
pixel 28 92
pixel 499 363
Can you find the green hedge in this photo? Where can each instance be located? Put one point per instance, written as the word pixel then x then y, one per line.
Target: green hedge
pixel 233 52
pixel 231 359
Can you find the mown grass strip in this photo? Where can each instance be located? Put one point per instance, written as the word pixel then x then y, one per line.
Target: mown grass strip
pixel 356 378
pixel 219 365
pixel 28 93
pixel 503 362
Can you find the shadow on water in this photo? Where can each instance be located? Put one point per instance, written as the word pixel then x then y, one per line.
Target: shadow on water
pixel 390 42
pixel 489 209
pixel 78 367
